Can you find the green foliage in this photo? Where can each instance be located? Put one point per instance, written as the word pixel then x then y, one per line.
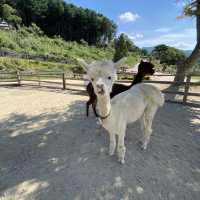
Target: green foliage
pixel 121 49
pixel 168 55
pixel 144 52
pixel 10 15
pixel 131 46
pixel 132 59
pixel 125 47
pixel 77 69
pixel 166 58
pixel 31 42
pixel 14 63
pixel 56 17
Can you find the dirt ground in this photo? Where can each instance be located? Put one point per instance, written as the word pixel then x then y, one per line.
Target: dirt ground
pixel 49 150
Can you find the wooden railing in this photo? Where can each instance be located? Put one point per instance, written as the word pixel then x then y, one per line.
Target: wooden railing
pixel 185 84
pixel 52 78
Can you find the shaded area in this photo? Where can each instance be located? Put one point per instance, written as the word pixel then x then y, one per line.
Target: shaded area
pixel 62 154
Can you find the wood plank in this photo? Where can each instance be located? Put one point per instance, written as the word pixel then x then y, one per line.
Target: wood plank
pixel 51 82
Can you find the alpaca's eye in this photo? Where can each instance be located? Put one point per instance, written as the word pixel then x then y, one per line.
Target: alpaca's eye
pixel 109 77
pixel 92 79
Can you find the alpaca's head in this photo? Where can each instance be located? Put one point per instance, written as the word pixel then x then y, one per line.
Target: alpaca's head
pixel 146 68
pixel 102 75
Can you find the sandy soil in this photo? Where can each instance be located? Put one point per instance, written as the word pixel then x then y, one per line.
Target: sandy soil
pixel 49 150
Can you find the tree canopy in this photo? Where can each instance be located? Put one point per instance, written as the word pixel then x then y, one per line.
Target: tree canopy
pixel 168 55
pixel 121 49
pixel 124 46
pixel 10 15
pixel 56 17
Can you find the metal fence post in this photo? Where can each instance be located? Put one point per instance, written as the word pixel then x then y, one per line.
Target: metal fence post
pixel 187 87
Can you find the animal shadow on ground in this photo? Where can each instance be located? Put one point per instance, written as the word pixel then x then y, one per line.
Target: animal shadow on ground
pixel 61 156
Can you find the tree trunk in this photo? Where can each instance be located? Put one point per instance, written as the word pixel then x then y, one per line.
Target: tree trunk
pixel 184 68
pixel 180 72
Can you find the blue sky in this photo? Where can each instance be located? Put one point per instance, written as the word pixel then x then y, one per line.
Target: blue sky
pixel 147 22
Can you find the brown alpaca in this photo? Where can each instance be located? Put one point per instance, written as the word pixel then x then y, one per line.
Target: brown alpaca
pixel 144 68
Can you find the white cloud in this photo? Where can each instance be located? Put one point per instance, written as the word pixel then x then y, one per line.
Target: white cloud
pixel 132 36
pixel 138 35
pixel 180 4
pixel 162 30
pixel 183 40
pixel 184 45
pixel 128 17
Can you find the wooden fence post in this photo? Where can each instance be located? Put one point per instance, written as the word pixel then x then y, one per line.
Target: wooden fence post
pixel 187 87
pixel 18 77
pixel 38 78
pixel 63 81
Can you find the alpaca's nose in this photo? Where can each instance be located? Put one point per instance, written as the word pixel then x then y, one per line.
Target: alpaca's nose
pixel 100 86
pixel 100 89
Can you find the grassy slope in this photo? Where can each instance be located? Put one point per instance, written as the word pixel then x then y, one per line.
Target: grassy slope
pixel 27 41
pixel 27 64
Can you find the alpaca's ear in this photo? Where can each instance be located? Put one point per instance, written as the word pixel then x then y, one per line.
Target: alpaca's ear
pixel 120 62
pixel 83 64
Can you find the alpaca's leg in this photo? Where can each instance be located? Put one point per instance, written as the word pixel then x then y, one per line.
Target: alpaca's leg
pixel 121 149
pixel 87 108
pixel 89 102
pixel 142 121
pixel 148 119
pixel 94 104
pixel 142 126
pixel 112 145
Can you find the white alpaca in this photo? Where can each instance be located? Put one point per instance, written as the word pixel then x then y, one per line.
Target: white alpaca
pixel 139 102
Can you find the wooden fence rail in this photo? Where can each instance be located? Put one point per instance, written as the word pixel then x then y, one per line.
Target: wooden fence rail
pixel 24 78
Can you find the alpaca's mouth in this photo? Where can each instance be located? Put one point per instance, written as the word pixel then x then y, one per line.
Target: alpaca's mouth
pixel 100 91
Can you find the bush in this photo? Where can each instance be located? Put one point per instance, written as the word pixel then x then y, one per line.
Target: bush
pixel 77 70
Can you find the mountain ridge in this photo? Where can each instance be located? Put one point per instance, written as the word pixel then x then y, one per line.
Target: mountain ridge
pixel 150 49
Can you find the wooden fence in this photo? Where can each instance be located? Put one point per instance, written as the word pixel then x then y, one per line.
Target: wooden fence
pixel 52 78
pixel 186 86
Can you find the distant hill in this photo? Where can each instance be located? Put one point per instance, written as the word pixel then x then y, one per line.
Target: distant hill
pixel 187 52
pixel 150 49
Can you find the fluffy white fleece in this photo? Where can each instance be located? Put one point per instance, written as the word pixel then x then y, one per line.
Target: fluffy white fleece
pixel 139 102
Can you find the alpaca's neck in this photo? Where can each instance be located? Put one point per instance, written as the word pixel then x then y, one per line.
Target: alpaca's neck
pixel 104 105
pixel 138 79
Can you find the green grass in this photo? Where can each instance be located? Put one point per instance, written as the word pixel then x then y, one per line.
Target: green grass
pixel 28 41
pixel 14 63
pixel 196 78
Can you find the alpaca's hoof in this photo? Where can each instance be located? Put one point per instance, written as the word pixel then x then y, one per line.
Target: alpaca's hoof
pixel 111 153
pixel 122 161
pixel 144 146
